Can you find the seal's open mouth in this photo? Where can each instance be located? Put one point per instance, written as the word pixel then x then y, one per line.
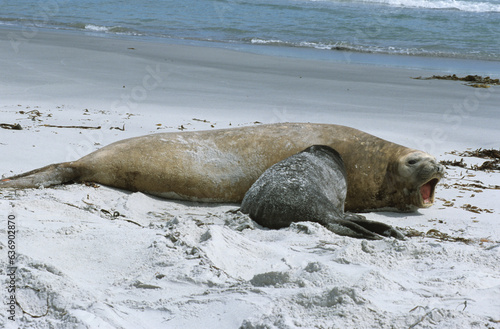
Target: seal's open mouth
pixel 427 192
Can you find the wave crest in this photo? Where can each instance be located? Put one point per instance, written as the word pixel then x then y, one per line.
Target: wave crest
pixel 461 5
pixel 357 48
pixel 109 29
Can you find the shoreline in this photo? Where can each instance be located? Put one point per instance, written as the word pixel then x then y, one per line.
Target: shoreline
pixel 457 65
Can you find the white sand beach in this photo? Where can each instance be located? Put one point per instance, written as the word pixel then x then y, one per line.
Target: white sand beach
pixel 97 257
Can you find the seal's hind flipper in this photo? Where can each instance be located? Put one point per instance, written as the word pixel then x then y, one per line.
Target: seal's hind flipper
pixel 351 229
pixel 53 174
pixel 357 226
pixel 374 226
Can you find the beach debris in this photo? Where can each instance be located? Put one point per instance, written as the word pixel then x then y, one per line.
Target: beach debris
pixel 91 184
pixel 434 234
pixel 116 215
pixel 480 153
pixel 475 81
pixel 15 126
pixel 205 121
pixel 75 127
pixel 492 164
pixel 118 128
pixel 448 203
pixel 113 215
pixel 454 163
pixel 475 209
pixel 71 205
pixel 33 114
pixel 201 120
pixel 489 165
pixel 472 187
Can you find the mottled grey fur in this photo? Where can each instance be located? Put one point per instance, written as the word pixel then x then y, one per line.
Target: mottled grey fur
pixel 309 186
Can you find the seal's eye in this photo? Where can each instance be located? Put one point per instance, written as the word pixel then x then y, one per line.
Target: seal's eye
pixel 412 161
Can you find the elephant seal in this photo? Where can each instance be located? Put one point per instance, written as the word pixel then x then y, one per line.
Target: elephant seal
pixel 221 165
pixel 309 186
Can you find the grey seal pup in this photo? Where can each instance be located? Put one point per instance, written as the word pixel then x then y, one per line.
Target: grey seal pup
pixel 309 186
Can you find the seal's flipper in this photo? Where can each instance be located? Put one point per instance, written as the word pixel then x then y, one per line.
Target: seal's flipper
pixel 53 174
pixel 351 229
pixel 375 227
pixel 382 229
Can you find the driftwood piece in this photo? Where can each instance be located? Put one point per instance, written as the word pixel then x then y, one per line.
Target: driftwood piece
pixel 15 126
pixel 75 127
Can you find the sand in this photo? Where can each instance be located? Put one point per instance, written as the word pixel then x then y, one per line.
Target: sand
pixel 96 257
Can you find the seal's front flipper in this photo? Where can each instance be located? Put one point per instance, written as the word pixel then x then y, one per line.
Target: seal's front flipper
pixel 53 174
pixel 375 227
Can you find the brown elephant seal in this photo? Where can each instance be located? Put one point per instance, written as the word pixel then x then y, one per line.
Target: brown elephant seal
pixel 221 165
pixel 309 186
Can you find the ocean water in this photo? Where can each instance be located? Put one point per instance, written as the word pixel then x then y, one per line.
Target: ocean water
pixel 467 29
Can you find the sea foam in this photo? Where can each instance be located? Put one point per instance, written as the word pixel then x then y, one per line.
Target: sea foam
pixel 467 6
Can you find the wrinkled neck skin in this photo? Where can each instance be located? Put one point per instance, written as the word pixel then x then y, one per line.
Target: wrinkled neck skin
pixel 396 193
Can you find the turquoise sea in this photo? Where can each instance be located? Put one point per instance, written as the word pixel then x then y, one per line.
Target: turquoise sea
pixel 460 29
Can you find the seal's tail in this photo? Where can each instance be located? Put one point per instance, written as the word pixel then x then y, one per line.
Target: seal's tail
pixel 53 174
